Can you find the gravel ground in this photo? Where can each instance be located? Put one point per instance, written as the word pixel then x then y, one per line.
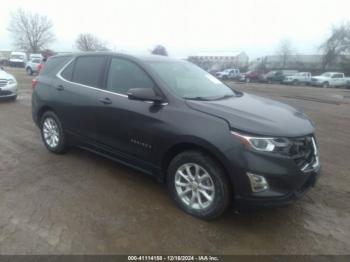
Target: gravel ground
pixel 79 203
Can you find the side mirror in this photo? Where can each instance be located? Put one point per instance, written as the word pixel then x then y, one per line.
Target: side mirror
pixel 144 94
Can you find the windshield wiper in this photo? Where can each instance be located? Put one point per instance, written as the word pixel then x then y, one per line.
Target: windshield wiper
pixel 223 97
pixel 198 98
pixel 210 98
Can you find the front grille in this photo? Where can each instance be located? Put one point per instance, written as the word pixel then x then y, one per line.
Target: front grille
pixel 5 93
pixel 3 82
pixel 304 152
pixel 314 79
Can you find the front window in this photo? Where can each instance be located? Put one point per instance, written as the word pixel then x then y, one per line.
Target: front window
pixel 17 57
pixel 326 74
pixel 124 75
pixel 191 82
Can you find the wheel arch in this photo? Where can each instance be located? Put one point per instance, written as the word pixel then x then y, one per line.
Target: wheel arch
pixel 41 112
pixel 178 148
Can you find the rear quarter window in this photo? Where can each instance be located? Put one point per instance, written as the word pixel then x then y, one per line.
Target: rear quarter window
pixel 54 64
pixel 67 73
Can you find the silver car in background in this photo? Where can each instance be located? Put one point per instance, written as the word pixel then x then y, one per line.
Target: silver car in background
pixel 8 86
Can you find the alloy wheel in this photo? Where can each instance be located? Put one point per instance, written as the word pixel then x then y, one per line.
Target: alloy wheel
pixel 51 132
pixel 194 186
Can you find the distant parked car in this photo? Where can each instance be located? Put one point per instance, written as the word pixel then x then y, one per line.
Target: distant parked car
pixel 18 59
pixel 32 66
pixel 298 78
pixel 35 56
pixel 251 76
pixel 8 86
pixel 330 79
pixel 277 76
pixel 229 73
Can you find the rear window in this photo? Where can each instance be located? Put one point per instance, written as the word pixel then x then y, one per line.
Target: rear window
pixel 88 70
pixel 54 64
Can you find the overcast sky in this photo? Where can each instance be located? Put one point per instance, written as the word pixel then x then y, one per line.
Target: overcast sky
pixel 187 26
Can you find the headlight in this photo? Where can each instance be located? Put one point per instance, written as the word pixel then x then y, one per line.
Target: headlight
pixel 265 144
pixel 11 81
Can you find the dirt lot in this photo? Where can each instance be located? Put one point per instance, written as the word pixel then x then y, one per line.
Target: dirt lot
pixel 80 203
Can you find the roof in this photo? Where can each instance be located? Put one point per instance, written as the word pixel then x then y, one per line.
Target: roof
pixel 145 58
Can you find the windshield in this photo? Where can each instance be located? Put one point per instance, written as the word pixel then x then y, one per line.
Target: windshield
pixel 191 82
pixel 270 73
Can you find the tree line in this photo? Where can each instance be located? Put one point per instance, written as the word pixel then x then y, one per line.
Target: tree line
pixel 34 33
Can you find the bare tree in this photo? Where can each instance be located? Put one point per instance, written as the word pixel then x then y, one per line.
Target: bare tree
pixel 30 32
pixel 337 44
pixel 284 50
pixel 159 50
pixel 87 42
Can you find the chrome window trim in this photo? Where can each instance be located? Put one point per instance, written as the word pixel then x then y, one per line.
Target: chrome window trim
pixel 91 87
pixel 94 88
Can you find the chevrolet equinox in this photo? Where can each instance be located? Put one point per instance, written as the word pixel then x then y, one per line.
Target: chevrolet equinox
pixel 213 146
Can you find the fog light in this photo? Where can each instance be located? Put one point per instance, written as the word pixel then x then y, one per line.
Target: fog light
pixel 258 183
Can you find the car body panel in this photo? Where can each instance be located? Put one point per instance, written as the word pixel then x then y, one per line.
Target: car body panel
pixel 256 115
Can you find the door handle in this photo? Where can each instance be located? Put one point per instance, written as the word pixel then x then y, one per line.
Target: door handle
pixel 60 88
pixel 105 101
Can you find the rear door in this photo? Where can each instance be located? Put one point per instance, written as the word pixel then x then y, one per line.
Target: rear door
pixel 338 80
pixel 78 87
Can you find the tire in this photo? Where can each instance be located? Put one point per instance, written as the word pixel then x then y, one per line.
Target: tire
pixel 247 80
pixel 48 134
pixel 325 85
pixel 295 82
pixel 211 175
pixel 29 71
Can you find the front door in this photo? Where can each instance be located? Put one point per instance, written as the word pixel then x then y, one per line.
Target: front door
pixel 128 127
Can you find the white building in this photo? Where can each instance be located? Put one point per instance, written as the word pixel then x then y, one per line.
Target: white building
pixel 220 60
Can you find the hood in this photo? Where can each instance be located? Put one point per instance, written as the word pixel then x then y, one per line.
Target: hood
pixel 257 115
pixel 5 75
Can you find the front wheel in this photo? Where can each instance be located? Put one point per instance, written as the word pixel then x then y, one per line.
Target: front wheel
pixel 199 185
pixel 52 133
pixel 325 85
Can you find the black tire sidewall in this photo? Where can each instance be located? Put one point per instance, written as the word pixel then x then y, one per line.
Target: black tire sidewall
pixel 61 147
pixel 221 184
pixel 29 71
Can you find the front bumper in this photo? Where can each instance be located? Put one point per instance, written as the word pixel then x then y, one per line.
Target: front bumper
pixel 288 81
pixel 17 63
pixel 8 92
pixel 286 180
pixel 276 196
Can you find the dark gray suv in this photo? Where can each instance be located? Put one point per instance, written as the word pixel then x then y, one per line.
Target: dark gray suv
pixel 212 146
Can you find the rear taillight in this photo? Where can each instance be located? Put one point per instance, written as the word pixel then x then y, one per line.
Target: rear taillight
pixel 34 82
pixel 40 67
